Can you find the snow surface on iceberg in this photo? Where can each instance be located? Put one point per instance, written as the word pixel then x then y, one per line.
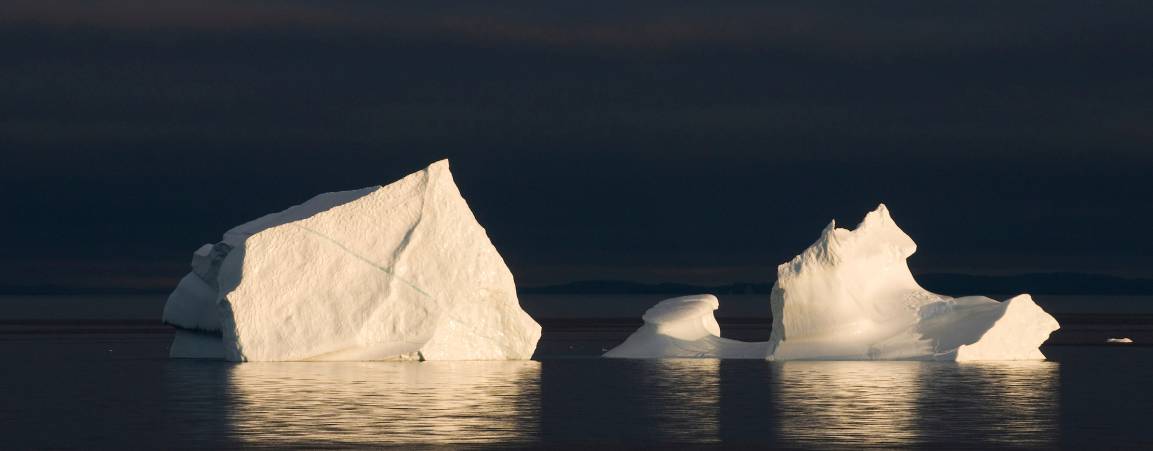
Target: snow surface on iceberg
pixel 851 296
pixel 402 271
pixel 684 327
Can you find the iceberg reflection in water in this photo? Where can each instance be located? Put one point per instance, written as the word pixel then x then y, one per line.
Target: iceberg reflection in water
pixel 557 401
pixel 866 403
pixel 891 404
pixel 685 399
pixel 357 403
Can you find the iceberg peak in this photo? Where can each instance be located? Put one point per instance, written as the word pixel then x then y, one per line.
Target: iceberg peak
pixel 876 236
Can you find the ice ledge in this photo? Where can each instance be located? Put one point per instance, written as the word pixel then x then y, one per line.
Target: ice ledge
pixel 1016 335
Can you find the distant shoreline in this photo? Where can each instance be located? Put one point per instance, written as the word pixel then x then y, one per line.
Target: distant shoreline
pixel 950 284
pixel 945 283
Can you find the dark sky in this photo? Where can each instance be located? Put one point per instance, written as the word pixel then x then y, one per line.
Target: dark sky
pixel 655 142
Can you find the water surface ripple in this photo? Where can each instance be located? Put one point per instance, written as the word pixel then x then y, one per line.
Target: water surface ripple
pixel 101 392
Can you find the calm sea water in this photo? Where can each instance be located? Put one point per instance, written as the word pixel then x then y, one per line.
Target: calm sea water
pixel 118 391
pixel 109 385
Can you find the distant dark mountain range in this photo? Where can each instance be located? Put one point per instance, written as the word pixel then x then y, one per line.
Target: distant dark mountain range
pixel 1043 283
pixel 626 287
pixel 10 289
pixel 950 284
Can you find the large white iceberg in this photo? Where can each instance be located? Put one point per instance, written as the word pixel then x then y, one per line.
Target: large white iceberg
pixel 851 296
pixel 402 271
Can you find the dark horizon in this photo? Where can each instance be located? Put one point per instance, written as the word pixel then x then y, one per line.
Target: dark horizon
pixel 686 143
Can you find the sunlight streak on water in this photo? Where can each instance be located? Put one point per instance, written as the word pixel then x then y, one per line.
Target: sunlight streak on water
pixel 353 403
pixel 114 391
pixel 686 400
pixel 690 401
pixel 865 403
pixel 900 404
pixel 998 403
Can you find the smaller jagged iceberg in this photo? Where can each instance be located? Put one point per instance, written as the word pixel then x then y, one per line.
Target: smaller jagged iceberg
pixel 402 271
pixel 851 296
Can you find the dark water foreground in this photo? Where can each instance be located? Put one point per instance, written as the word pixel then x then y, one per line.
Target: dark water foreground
pixel 116 390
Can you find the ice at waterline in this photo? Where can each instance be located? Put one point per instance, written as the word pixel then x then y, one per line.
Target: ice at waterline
pixel 850 296
pixel 402 271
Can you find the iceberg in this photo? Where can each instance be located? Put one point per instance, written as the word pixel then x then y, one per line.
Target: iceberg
pixel 684 327
pixel 851 296
pixel 402 271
